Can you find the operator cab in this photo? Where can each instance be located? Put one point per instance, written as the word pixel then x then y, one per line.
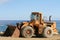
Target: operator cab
pixel 35 16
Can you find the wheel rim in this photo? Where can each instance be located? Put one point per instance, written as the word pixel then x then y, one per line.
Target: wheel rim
pixel 28 31
pixel 49 32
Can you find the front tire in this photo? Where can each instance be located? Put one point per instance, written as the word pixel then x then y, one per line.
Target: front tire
pixel 27 32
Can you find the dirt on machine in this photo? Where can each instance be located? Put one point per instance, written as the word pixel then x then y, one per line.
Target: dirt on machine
pixel 35 27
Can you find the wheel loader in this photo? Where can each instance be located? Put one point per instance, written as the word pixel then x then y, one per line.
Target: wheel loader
pixel 36 26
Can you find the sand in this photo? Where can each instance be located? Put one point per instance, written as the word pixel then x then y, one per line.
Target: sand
pixel 55 37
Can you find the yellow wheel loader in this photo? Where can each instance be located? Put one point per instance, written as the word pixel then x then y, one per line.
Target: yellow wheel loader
pixel 36 26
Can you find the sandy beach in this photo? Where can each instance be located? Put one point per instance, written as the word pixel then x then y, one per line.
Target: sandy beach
pixel 55 37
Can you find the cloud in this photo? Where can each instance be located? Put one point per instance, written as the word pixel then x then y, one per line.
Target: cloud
pixel 3 1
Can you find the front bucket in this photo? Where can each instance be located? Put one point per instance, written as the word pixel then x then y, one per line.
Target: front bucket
pixel 12 31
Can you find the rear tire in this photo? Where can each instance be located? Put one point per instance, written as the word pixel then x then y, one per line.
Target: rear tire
pixel 48 32
pixel 27 32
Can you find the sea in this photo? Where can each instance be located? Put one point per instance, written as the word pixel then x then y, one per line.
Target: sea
pixel 4 23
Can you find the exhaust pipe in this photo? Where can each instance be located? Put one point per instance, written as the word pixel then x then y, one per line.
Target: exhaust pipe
pixel 49 18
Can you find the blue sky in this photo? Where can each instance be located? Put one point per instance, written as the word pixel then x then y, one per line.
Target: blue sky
pixel 21 9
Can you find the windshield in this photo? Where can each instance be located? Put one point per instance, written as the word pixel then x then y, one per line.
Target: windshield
pixel 34 17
